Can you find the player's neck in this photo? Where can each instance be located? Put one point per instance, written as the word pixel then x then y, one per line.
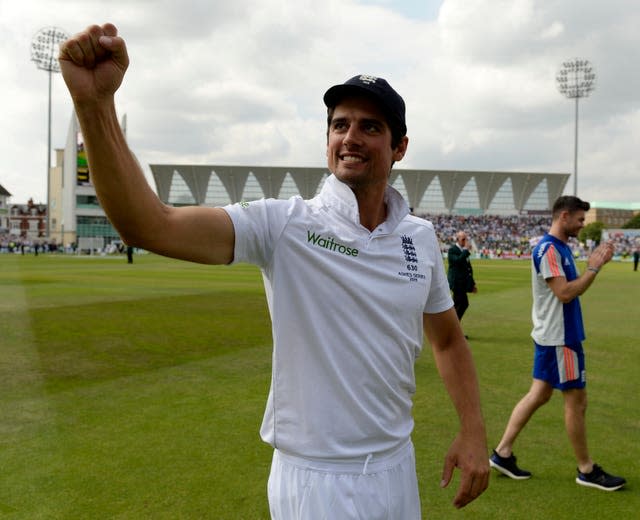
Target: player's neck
pixel 371 205
pixel 557 232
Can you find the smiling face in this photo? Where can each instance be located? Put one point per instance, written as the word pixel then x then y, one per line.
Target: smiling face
pixel 568 224
pixel 574 223
pixel 359 151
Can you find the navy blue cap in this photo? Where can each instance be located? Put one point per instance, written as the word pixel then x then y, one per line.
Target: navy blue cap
pixel 378 88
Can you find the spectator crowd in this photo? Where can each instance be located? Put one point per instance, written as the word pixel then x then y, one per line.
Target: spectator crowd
pixel 491 236
pixel 21 245
pixel 514 236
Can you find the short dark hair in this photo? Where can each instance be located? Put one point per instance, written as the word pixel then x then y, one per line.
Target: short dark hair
pixel 568 203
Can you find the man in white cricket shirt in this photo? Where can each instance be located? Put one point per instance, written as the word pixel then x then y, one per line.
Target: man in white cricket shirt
pixel 352 282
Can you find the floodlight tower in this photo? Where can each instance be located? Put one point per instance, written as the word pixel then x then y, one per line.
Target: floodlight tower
pixel 45 47
pixel 576 79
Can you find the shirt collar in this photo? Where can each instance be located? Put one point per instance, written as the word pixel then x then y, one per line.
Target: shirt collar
pixel 339 197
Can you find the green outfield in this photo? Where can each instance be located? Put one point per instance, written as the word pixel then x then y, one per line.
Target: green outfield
pixel 137 391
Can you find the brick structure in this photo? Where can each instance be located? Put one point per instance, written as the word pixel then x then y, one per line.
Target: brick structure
pixel 28 221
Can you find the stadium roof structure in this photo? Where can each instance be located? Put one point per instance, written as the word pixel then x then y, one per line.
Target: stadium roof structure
pixel 231 183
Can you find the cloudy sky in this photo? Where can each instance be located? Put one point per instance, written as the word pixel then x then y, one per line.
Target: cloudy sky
pixel 241 82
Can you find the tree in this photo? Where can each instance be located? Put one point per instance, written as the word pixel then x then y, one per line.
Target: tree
pixel 591 231
pixel 634 223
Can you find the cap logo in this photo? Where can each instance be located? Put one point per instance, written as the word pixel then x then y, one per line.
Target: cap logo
pixel 376 89
pixel 365 78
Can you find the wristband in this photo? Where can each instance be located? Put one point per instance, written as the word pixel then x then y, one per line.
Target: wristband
pixel 594 269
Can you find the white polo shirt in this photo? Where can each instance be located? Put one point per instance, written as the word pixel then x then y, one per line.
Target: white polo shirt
pixel 346 306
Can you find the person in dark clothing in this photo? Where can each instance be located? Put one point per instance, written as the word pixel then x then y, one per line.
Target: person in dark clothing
pixel 460 273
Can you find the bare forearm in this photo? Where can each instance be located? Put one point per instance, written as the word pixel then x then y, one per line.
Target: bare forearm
pixel 124 193
pixel 576 287
pixel 93 64
pixel 566 291
pixel 468 452
pixel 457 370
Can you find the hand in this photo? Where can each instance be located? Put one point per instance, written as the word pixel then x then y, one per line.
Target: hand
pixel 601 255
pixel 93 63
pixel 469 454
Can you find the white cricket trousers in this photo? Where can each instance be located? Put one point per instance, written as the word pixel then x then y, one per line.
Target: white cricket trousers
pixel 376 488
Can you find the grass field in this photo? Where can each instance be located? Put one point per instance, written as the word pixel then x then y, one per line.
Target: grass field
pixel 137 391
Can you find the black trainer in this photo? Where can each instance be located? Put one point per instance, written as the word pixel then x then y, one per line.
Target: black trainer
pixel 507 466
pixel 600 479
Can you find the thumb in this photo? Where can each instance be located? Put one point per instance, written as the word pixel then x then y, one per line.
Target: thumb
pixel 111 43
pixel 447 472
pixel 106 42
pixel 117 47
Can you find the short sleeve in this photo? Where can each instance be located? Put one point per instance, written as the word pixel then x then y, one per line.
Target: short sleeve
pixel 439 297
pixel 551 263
pixel 257 225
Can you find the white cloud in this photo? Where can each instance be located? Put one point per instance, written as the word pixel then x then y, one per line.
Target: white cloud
pixel 552 31
pixel 242 82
